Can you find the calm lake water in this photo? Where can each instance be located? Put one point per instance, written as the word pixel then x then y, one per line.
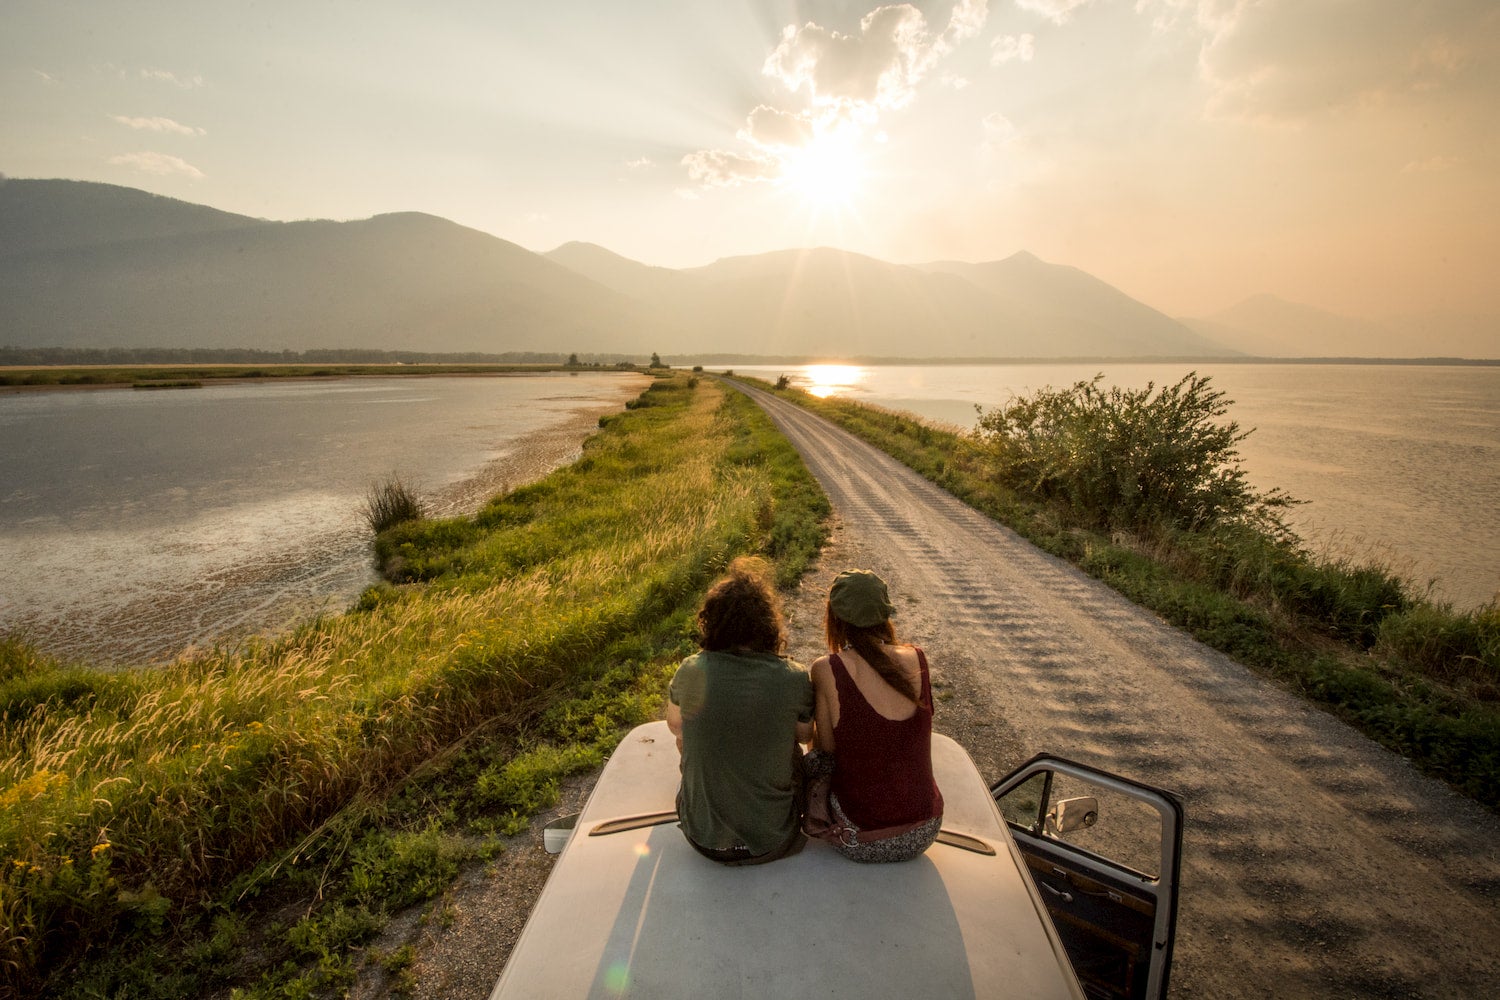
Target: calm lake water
pixel 1398 463
pixel 133 524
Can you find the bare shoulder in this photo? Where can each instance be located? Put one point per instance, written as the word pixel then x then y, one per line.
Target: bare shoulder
pixel 821 670
pixel 907 655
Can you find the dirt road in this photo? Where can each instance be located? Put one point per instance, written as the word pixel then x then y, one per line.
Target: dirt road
pixel 1316 864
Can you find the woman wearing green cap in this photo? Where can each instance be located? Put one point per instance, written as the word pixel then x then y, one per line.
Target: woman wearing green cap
pixel 873 727
pixel 739 709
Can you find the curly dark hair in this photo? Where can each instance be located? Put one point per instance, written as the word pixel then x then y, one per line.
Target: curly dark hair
pixel 742 610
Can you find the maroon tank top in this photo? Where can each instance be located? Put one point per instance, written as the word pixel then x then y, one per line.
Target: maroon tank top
pixel 883 771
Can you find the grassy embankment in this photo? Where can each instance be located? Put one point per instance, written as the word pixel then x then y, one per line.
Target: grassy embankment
pixel 251 818
pixel 189 376
pixel 1415 675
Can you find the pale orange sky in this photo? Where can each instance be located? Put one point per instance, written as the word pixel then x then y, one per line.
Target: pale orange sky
pixel 1337 153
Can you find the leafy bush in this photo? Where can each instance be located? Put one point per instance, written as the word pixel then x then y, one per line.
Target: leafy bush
pixel 393 871
pixel 1134 459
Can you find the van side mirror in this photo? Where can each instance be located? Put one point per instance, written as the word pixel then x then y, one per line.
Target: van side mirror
pixel 1068 815
pixel 556 834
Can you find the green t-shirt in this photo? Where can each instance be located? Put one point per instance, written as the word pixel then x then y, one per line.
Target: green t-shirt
pixel 739 730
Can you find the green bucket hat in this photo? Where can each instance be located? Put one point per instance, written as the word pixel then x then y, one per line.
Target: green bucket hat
pixel 859 598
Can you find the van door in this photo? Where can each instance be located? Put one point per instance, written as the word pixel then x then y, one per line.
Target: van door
pixel 1104 852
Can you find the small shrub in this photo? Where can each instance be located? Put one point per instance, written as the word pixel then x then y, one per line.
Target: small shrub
pixel 1138 460
pixel 332 932
pixel 528 783
pixel 397 870
pixel 390 503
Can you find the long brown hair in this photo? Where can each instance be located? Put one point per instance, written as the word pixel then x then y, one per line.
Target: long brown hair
pixel 869 644
pixel 742 610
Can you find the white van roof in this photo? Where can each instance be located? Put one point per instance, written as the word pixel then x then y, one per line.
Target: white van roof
pixel 639 913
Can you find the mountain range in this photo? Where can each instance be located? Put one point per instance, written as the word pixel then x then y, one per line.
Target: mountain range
pixel 96 265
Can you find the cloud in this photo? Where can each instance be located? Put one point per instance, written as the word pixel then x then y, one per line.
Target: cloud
pixel 845 82
pixel 157 125
pixel 1007 47
pixel 880 66
pixel 717 168
pixel 167 76
pixel 1292 59
pixel 1056 11
pixel 640 164
pixel 161 164
pixel 769 127
pixel 999 132
pixel 1431 165
pixel 45 76
pixel 997 126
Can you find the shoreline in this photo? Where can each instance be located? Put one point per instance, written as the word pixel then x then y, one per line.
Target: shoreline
pixel 154 373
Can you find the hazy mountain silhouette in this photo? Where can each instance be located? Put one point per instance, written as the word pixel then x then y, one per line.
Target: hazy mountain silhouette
pixel 1068 312
pixel 620 274
pixel 1267 326
pixel 56 215
pixel 94 265
pixel 157 272
pixel 831 302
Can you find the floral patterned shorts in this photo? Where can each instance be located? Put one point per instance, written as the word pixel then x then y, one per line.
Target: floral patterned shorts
pixel 902 847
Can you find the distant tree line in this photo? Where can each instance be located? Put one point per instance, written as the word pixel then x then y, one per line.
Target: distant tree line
pixel 23 356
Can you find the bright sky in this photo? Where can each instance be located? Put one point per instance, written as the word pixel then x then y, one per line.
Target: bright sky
pixel 1338 153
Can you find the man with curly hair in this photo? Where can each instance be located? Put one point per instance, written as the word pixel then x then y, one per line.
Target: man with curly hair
pixel 739 709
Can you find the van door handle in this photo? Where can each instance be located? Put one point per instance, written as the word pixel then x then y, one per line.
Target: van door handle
pixel 1066 897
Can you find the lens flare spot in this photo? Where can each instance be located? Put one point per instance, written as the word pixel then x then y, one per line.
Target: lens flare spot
pixel 643 849
pixel 617 977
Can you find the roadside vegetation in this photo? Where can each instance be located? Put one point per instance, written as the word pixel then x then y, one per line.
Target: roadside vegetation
pixel 248 820
pixel 1144 491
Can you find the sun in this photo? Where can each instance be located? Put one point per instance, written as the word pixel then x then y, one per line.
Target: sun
pixel 828 171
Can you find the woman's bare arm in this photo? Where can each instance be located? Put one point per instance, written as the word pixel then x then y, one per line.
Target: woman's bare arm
pixel 825 704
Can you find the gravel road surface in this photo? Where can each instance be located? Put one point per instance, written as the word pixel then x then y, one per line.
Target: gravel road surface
pixel 1316 864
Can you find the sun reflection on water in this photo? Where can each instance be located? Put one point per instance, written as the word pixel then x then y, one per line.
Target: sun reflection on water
pixel 830 380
